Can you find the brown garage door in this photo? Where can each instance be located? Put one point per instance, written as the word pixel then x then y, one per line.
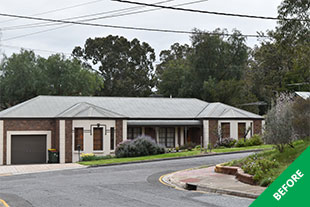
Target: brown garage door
pixel 28 149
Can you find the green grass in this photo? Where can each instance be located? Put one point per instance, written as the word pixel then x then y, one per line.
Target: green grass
pixel 168 155
pixel 234 149
pixel 283 159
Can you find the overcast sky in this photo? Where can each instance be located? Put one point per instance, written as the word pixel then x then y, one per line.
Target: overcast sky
pixel 65 39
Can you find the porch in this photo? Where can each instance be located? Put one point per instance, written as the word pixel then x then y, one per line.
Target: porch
pixel 169 133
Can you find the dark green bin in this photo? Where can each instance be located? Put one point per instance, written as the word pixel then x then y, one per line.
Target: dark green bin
pixel 53 156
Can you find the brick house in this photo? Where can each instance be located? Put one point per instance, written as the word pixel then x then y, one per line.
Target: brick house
pixel 99 124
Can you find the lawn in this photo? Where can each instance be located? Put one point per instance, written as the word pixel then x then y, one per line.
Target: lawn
pixel 267 175
pixel 169 155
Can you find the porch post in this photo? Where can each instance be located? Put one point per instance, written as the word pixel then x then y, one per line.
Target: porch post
pixel 205 133
pixel 62 141
pixel 143 131
pixel 182 135
pixel 176 137
pixel 157 134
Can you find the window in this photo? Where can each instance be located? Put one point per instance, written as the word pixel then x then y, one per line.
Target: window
pixel 78 139
pixel 98 138
pixel 241 130
pixel 166 137
pixel 225 127
pixel 112 138
pixel 133 132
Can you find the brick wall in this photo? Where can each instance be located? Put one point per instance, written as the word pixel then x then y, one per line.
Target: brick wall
pixel 68 141
pixel 28 125
pixel 257 126
pixel 213 127
pixel 119 131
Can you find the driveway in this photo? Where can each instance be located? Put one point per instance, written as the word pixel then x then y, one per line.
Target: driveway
pixel 134 185
pixel 6 170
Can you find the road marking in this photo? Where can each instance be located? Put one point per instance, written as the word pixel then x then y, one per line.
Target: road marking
pixel 3 203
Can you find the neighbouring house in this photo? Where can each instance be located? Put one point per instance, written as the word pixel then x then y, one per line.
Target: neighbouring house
pixel 303 94
pixel 99 124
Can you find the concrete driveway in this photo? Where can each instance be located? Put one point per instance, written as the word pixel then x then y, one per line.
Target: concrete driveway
pixel 7 170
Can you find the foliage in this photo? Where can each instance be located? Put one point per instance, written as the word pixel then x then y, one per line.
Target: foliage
pixel 258 167
pixel 281 63
pixel 141 146
pixel 212 69
pixel 255 140
pixel 188 146
pixel 278 127
pixel 241 143
pixel 92 156
pixel 25 75
pixel 126 66
pixel 225 142
pixel 301 117
pixel 266 166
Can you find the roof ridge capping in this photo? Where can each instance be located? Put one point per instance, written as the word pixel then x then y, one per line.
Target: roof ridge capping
pixel 76 106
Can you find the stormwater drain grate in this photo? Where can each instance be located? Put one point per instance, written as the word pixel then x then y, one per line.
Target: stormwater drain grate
pixel 189 186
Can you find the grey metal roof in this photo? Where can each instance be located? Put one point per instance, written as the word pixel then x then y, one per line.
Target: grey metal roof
pixel 219 110
pixel 122 107
pixel 303 94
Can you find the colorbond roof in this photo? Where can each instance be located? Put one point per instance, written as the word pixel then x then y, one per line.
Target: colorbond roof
pixel 122 107
pixel 303 94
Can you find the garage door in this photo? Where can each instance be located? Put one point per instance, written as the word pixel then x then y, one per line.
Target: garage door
pixel 28 149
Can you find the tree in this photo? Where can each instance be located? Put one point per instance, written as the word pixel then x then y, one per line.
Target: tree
pixel 279 129
pixel 126 66
pixel 26 75
pixel 212 69
pixel 173 73
pixel 282 60
pixel 63 76
pixel 19 80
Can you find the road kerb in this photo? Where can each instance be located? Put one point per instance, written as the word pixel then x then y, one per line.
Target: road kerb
pixel 203 188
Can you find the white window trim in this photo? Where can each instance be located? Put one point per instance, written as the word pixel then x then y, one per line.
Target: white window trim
pixel 11 133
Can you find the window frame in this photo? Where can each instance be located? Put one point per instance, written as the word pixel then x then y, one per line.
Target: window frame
pixel 131 132
pixel 102 141
pixel 165 131
pixel 75 138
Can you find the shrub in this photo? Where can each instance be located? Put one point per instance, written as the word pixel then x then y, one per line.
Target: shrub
pixel 91 157
pixel 279 128
pixel 198 147
pixel 226 142
pixel 255 140
pixel 240 143
pixel 258 167
pixel 188 146
pixel 88 156
pixel 141 146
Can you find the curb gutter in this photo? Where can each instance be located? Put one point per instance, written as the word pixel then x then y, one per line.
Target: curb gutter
pixel 169 181
pixel 176 158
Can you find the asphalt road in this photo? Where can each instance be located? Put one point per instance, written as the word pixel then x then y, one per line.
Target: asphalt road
pixel 124 185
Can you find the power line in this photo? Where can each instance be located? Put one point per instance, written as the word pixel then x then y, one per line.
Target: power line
pixel 118 26
pixel 56 10
pixel 52 24
pixel 33 25
pixel 207 12
pixel 40 50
